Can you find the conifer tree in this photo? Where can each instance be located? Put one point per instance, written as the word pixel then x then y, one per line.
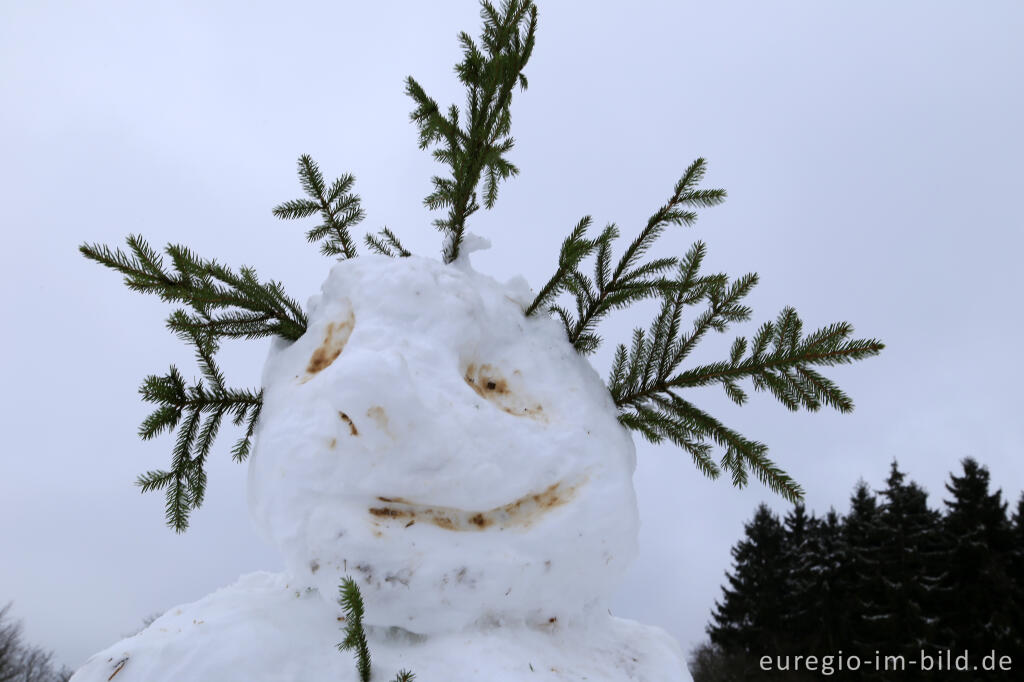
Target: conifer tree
pixel 823 568
pixel 799 618
pixel 977 616
pixel 648 376
pixel 750 618
pixel 711 663
pixel 891 578
pixel 912 566
pixel 1017 576
pixel 863 538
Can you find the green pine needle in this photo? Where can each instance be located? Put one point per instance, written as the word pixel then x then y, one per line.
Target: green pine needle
pixel 224 304
pixel 338 207
pixel 631 280
pixel 355 636
pixel 647 375
pixel 387 244
pixel 233 305
pixel 478 147
pixel 645 379
pixel 197 412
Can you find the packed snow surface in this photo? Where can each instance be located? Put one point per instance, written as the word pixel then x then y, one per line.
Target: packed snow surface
pixel 264 628
pixel 458 459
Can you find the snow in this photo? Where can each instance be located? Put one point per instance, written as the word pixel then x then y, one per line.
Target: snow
pixel 461 462
pixel 458 459
pixel 265 628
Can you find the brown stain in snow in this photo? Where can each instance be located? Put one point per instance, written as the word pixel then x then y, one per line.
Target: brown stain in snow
pixel 351 424
pixel 379 417
pixel 491 385
pixel 334 342
pixel 520 513
pixel 118 667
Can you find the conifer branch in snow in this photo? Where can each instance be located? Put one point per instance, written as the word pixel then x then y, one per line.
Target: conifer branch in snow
pixel 386 244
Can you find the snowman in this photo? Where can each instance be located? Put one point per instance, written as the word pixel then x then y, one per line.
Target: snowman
pixel 461 462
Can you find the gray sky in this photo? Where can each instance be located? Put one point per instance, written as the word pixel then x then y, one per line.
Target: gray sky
pixel 871 152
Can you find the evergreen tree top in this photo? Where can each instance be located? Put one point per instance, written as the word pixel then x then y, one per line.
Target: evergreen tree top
pixel 863 501
pixel 971 495
pixel 903 499
pixel 594 274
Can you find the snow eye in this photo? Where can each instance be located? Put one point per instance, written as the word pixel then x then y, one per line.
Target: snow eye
pixel 334 342
pixel 490 383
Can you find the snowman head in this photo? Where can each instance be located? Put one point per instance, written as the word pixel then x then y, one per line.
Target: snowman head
pixel 458 459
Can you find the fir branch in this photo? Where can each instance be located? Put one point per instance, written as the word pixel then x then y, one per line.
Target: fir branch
pixel 574 249
pixel 338 207
pixel 225 304
pixel 233 305
pixel 355 637
pixel 478 149
pixel 387 244
pixel 202 406
pixel 631 280
pixel 645 378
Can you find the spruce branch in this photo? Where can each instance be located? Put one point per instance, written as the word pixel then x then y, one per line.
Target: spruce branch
pixel 202 406
pixel 224 304
pixel 631 280
pixel 355 637
pixel 574 249
pixel 646 375
pixel 338 207
pixel 490 72
pixel 387 244
pixel 645 378
pixel 232 305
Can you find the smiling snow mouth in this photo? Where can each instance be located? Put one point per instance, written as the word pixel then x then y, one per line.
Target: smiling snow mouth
pixel 521 513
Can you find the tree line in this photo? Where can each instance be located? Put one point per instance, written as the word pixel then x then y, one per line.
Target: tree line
pixel 891 577
pixel 22 662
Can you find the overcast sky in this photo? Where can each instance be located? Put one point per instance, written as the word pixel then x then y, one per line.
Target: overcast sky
pixel 871 151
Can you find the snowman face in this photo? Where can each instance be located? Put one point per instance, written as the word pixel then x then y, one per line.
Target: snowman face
pixel 455 457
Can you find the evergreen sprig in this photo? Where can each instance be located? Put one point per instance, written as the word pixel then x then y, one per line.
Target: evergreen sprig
pixel 231 305
pixel 630 280
pixel 645 379
pixel 351 600
pixel 355 636
pixel 387 244
pixel 224 304
pixel 199 410
pixel 574 249
pixel 339 209
pixel 490 74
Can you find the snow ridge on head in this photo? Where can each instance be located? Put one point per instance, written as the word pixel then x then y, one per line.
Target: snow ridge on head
pixel 459 459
